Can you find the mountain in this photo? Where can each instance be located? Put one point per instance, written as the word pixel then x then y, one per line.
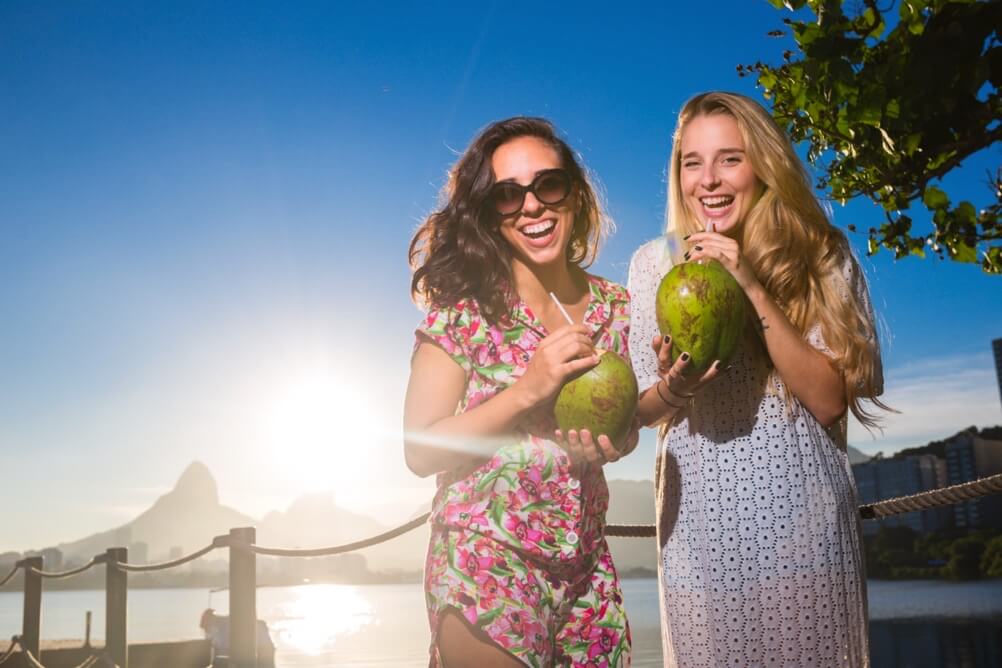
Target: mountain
pixel 187 517
pixel 190 515
pixel 315 521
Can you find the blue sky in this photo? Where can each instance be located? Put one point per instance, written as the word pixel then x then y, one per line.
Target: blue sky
pixel 205 213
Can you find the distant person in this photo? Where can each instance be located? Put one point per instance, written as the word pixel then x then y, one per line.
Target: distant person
pixel 758 530
pixel 518 570
pixel 217 632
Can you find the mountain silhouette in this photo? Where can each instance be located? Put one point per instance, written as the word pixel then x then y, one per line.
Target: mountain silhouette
pixel 185 518
pixel 314 520
pixel 190 515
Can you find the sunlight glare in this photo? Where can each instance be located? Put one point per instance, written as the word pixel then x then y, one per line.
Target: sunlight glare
pixel 319 615
pixel 321 434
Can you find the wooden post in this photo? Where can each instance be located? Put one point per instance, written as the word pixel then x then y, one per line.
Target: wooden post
pixel 116 593
pixel 31 623
pixel 243 599
pixel 87 630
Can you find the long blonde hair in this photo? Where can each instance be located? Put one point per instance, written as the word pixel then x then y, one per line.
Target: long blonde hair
pixel 796 253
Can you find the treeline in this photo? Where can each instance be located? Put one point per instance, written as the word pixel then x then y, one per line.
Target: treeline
pixel 900 553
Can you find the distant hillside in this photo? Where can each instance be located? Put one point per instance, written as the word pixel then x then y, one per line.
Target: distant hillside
pixel 938 448
pixel 857 457
pixel 188 516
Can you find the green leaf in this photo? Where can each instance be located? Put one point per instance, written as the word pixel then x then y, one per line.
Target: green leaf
pixel 961 252
pixel 893 109
pixel 992 263
pixel 965 214
pixel 934 198
pixel 484 620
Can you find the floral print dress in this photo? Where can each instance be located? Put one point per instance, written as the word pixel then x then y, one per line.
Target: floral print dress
pixel 517 544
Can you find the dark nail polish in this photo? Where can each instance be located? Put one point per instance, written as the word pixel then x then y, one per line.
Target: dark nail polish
pixel 667 339
pixel 697 247
pixel 686 256
pixel 685 357
pixel 686 237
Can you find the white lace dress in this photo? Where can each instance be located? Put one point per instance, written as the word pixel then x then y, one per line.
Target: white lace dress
pixel 758 529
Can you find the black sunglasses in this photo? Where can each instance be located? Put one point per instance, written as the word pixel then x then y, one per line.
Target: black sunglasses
pixel 551 186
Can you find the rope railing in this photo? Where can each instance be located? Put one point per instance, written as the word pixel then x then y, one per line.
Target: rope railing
pixel 10 575
pixel 339 549
pixel 10 651
pixel 65 574
pixel 16 644
pixel 905 504
pixel 964 491
pixel 164 565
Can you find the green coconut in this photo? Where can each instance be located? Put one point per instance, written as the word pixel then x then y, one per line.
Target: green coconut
pixel 602 400
pixel 702 307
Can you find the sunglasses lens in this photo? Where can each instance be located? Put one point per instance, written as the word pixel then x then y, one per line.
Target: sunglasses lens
pixel 552 188
pixel 507 198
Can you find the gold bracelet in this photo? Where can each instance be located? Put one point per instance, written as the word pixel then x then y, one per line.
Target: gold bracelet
pixel 657 388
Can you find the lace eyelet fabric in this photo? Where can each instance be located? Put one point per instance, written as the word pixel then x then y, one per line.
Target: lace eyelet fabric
pixel 758 531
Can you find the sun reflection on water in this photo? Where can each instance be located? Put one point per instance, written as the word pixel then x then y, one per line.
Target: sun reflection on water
pixel 317 616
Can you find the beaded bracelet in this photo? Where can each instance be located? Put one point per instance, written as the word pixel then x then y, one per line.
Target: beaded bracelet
pixel 657 388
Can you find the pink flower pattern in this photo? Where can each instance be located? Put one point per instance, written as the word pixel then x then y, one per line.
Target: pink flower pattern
pixel 518 543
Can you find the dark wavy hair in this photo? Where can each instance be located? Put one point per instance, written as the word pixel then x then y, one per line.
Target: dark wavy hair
pixel 458 252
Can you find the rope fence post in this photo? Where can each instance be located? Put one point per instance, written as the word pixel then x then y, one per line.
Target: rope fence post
pixel 31 622
pixel 243 598
pixel 116 593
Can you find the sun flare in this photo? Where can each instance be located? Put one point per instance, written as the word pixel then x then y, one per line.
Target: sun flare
pixel 321 434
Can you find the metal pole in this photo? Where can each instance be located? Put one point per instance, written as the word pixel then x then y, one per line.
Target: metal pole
pixel 116 593
pixel 31 624
pixel 87 630
pixel 243 598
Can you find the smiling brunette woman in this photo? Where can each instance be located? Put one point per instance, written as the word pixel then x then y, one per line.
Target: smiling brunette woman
pixel 757 524
pixel 518 570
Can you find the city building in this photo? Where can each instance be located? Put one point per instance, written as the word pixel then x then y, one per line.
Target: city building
pixel 997 351
pixel 970 456
pixel 879 479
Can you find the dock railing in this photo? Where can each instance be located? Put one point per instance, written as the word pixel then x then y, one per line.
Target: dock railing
pixel 243 551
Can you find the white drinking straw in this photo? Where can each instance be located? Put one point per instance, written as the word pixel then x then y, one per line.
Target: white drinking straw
pixel 562 309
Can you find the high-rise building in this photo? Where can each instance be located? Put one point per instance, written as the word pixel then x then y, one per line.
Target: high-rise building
pixel 880 479
pixel 969 457
pixel 997 351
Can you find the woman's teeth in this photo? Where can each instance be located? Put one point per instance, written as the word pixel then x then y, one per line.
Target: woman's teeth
pixel 537 230
pixel 717 202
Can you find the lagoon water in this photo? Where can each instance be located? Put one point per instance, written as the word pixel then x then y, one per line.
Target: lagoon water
pixel 915 624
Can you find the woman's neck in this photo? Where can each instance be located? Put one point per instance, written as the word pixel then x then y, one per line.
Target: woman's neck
pixel 568 282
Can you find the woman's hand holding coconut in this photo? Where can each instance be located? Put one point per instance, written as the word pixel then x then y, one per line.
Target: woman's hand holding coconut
pixel 567 351
pixel 582 447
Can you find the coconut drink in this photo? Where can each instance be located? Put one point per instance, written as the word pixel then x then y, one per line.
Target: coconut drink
pixel 702 308
pixel 602 400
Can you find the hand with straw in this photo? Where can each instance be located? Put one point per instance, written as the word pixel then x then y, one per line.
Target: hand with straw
pixel 712 245
pixel 562 354
pixel 582 446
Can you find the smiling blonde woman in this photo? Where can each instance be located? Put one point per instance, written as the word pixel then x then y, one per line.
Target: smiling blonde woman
pixel 759 537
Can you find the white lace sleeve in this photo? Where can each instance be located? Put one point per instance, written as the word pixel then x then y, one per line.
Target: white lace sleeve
pixel 649 264
pixel 856 288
